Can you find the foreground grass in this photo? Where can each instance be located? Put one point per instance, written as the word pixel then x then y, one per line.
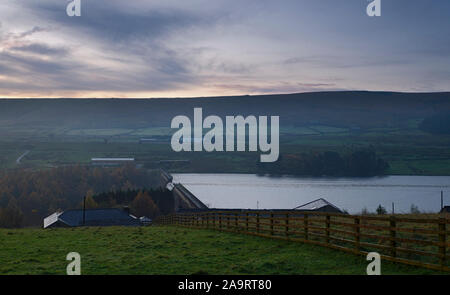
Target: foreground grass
pixel 172 250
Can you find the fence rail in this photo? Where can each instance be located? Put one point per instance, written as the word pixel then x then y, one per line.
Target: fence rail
pixel 414 241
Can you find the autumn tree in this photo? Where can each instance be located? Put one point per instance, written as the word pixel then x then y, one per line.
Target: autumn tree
pixel 143 205
pixel 11 216
pixel 89 201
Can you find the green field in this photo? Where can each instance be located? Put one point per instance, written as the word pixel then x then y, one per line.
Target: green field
pixel 408 151
pixel 172 250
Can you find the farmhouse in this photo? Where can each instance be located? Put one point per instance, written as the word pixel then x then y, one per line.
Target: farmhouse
pixel 91 217
pixel 320 205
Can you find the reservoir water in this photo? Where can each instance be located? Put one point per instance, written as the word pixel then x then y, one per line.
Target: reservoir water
pixel 249 191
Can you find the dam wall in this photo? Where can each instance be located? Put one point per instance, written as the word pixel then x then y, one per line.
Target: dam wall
pixel 184 199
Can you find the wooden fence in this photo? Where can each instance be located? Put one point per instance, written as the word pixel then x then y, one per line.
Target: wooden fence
pixel 414 241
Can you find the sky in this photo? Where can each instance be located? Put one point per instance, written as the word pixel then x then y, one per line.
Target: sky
pixel 190 48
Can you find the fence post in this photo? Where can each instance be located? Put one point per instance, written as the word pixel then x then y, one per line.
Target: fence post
pixel 287 225
pixel 236 222
pixel 442 240
pixel 305 223
pixel 271 224
pixel 257 222
pixel 246 221
pixel 327 226
pixel 393 231
pixel 228 221
pixel 220 220
pixel 357 231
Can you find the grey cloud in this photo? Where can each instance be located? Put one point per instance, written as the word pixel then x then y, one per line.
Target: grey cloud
pixel 31 64
pixel 232 68
pixel 103 20
pixel 71 75
pixel 42 49
pixel 136 36
pixel 30 32
pixel 348 62
pixel 136 39
pixel 316 84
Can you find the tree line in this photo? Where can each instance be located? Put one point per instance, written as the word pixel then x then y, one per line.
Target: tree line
pixel 146 202
pixel 359 163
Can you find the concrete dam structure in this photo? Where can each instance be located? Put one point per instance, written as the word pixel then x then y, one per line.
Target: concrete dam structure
pixel 184 199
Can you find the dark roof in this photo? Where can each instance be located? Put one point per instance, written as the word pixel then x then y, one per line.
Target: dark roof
pixel 96 217
pixel 445 209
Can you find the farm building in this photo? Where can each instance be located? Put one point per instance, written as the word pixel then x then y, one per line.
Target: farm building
pixel 91 217
pixel 146 140
pixel 445 209
pixel 320 205
pixel 111 162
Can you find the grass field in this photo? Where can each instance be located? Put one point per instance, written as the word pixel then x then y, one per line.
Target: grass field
pixel 407 149
pixel 172 250
pixel 418 158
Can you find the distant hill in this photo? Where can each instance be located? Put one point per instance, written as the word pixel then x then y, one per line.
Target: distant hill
pixel 347 109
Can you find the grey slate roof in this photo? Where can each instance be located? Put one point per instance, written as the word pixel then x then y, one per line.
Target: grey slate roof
pixel 316 205
pixel 94 217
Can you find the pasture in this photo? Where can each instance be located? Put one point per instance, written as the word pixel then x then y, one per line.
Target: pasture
pixel 172 250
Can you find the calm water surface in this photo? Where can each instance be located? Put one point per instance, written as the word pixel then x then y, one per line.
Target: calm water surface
pixel 352 194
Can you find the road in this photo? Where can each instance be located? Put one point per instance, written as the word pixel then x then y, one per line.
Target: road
pixel 21 157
